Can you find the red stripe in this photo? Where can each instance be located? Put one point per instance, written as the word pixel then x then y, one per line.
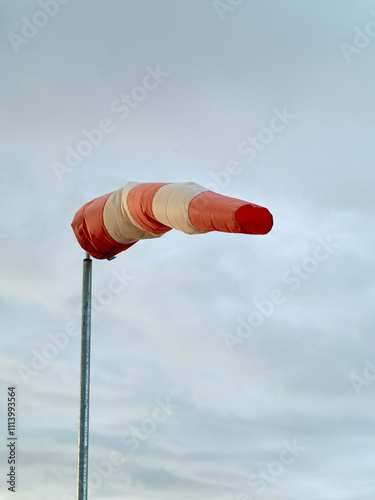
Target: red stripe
pixel 140 200
pixel 209 211
pixel 88 226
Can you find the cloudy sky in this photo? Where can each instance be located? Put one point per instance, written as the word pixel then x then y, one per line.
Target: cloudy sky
pixel 224 367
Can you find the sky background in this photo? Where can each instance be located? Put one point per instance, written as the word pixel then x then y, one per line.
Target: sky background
pixel 304 379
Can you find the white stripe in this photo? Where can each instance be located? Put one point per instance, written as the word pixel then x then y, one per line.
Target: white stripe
pixel 171 204
pixel 118 220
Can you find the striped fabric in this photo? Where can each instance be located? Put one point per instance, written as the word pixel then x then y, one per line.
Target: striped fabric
pixel 112 223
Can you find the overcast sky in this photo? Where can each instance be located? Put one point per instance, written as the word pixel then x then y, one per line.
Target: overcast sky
pixel 224 367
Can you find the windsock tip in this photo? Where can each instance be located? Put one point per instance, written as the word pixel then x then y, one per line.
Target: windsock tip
pixel 254 219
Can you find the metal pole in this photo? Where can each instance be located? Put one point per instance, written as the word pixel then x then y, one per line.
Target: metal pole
pixel 83 450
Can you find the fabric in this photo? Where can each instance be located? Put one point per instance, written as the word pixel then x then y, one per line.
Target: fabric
pixel 210 211
pixel 91 233
pixel 114 222
pixel 171 205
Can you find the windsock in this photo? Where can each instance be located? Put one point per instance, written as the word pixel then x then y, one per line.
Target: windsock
pixel 115 221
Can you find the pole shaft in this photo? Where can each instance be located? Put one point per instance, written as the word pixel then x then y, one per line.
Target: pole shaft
pixel 83 450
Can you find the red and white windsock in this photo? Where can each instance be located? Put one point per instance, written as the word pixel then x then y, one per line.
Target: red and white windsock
pixel 115 221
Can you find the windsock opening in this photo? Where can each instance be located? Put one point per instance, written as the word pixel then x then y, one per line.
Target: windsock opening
pixel 91 233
